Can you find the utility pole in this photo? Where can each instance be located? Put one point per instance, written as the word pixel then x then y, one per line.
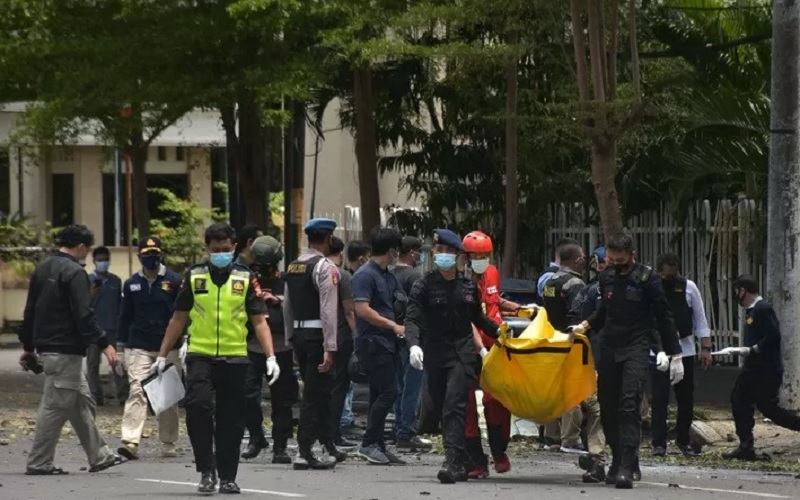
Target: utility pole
pixel 783 199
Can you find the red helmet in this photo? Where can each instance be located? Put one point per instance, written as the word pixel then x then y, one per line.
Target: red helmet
pixel 477 242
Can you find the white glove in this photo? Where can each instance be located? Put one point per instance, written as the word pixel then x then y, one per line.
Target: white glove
pixel 662 362
pixel 676 369
pixel 182 353
pixel 273 370
pixel 484 352
pixel 158 366
pixel 574 330
pixel 415 357
pixel 741 351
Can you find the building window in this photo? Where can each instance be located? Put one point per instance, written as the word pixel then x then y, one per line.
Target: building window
pixel 162 153
pixel 180 154
pixel 63 199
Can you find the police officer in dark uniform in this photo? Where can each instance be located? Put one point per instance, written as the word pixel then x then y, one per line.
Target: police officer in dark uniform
pixel 262 257
pixel 631 296
pixel 442 308
pixel 311 301
pixel 564 286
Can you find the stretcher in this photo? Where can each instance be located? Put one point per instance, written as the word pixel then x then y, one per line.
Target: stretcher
pixel 540 374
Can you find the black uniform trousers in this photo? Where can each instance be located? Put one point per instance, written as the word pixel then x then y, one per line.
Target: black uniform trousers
pixel 315 410
pixel 622 374
pixel 449 384
pixel 283 396
pixel 215 404
pixel 341 385
pixel 758 389
pixel 684 397
pixel 380 363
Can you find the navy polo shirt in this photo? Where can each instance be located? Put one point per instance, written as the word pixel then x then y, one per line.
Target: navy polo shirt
pixel 147 308
pixel 377 286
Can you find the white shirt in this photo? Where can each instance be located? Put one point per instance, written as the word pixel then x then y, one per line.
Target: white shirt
pixel 699 322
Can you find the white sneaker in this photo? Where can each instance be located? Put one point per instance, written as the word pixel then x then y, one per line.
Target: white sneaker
pixel 168 450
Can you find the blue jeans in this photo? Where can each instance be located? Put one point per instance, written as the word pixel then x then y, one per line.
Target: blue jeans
pixel 347 414
pixel 409 387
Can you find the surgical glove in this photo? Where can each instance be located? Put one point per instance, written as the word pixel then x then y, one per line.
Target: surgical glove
pixel 574 330
pixel 182 353
pixel 662 362
pixel 741 351
pixel 273 370
pixel 676 369
pixel 484 352
pixel 158 366
pixel 415 357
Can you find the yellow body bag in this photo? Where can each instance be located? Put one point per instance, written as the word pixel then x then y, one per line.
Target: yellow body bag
pixel 540 375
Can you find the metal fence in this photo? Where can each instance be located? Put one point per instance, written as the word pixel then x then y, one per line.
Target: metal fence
pixel 717 241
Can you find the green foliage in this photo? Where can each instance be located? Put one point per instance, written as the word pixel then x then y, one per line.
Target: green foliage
pixel 22 244
pixel 181 231
pixel 276 201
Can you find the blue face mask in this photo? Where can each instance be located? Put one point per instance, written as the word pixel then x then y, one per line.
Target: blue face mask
pixel 221 260
pixel 150 262
pixel 101 266
pixel 444 261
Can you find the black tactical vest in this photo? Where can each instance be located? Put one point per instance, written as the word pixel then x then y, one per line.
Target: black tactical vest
pixel 536 298
pixel 555 300
pixel 675 290
pixel 303 294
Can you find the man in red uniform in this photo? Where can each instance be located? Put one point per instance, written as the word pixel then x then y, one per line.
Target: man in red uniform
pixel 478 247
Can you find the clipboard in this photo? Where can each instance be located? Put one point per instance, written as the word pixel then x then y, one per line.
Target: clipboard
pixel 163 391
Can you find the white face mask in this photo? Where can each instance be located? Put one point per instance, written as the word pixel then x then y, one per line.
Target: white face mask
pixel 480 266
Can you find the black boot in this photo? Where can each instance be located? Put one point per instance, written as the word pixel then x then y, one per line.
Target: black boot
pixel 447 471
pixel 208 483
pixel 306 460
pixel 741 453
pixel 253 449
pixel 629 464
pixel 595 472
pixel 613 470
pixel 339 456
pixel 279 456
pixel 227 487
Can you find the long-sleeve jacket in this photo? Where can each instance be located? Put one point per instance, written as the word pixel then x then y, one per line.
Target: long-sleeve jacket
pixel 629 304
pixel 58 316
pixel 762 332
pixel 440 316
pixel 147 308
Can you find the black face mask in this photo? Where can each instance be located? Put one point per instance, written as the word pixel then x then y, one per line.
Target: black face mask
pixel 622 268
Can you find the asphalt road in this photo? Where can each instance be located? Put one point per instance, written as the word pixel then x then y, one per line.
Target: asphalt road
pixel 543 475
pixel 535 474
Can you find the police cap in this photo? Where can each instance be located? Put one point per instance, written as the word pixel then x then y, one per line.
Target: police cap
pixel 266 250
pixel 449 238
pixel 151 244
pixel 410 243
pixel 320 226
pixel 600 253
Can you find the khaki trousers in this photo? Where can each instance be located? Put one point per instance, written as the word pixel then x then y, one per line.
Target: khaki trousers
pixel 138 363
pixel 66 396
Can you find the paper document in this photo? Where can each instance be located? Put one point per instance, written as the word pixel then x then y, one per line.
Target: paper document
pixel 164 391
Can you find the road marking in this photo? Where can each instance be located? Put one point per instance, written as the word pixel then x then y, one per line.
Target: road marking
pixel 244 490
pixel 717 490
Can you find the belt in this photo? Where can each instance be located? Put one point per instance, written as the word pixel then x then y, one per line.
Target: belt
pixel 308 323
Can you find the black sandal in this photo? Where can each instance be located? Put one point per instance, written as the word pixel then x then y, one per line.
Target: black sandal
pixel 107 465
pixel 55 471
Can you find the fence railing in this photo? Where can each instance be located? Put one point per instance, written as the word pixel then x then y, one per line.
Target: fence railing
pixel 718 240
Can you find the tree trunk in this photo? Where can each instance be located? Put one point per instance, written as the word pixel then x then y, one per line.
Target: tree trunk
pixel 141 209
pixel 366 151
pixel 783 216
pixel 512 181
pixel 604 170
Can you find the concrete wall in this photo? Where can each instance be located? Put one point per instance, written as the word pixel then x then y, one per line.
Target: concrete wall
pixel 337 171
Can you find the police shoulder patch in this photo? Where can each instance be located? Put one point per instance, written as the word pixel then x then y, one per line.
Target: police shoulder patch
pixel 750 320
pixel 166 286
pixel 237 287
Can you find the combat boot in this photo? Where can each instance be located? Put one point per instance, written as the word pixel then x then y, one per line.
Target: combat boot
pixel 306 460
pixel 337 455
pixel 628 465
pixel 595 471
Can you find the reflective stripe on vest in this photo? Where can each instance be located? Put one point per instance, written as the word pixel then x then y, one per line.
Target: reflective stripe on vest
pixel 219 318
